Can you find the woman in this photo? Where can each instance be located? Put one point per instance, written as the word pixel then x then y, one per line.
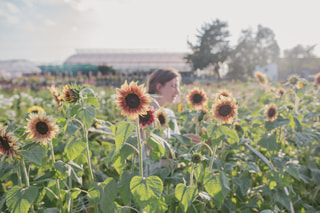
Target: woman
pixel 164 85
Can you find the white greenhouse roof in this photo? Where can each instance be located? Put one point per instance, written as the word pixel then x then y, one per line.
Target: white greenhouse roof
pixel 130 60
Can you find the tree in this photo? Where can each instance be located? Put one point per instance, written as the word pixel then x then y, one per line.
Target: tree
pixel 105 69
pixel 253 48
pixel 211 48
pixel 299 58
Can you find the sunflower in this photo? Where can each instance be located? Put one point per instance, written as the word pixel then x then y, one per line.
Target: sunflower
pixel 271 112
pixel 8 144
pixel 41 128
pixel 179 108
pixel 300 85
pixel 197 98
pixel 55 93
pixel 162 117
pixel 132 100
pixel 281 91
pixel 202 113
pixel 69 94
pixel 272 89
pixel 293 79
pixel 148 118
pixel 196 158
pixel 261 78
pixel 36 109
pixel 237 126
pixel 225 109
pixel 317 79
pixel 223 93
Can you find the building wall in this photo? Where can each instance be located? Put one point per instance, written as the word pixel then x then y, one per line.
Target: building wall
pixel 270 70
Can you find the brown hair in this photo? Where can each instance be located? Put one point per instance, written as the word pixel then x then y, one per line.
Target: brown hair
pixel 161 76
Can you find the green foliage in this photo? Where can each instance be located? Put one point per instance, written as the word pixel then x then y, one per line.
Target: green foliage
pixel 254 48
pixel 19 199
pixel 265 166
pixel 212 47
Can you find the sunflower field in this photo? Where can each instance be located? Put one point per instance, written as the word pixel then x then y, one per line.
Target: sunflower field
pixel 69 147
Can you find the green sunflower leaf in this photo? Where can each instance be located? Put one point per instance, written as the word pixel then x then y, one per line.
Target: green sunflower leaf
pixel 87 115
pixel 19 199
pixel 34 154
pixel 186 195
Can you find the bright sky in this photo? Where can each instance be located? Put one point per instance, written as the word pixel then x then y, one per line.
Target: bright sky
pixel 51 30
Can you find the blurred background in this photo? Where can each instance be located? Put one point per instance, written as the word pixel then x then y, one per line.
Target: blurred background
pixel 204 39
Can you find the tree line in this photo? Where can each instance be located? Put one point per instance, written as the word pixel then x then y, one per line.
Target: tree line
pixel 255 47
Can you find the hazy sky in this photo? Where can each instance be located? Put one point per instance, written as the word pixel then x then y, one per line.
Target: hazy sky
pixel 51 30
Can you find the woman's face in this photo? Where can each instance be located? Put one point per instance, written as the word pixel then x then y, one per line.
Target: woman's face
pixel 168 91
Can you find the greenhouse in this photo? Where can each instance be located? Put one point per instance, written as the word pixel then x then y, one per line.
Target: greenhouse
pixel 128 61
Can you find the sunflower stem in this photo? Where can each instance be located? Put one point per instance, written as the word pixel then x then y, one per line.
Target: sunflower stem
pixel 133 160
pixel 57 180
pixel 88 154
pixel 197 122
pixel 139 148
pixel 69 193
pixel 212 157
pixel 87 148
pixel 19 176
pixel 27 179
pixel 191 175
pixel 91 177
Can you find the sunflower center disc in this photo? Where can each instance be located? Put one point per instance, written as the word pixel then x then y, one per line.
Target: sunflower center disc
pixel 4 143
pixel 132 100
pixel 271 112
pixel 261 79
pixel 161 119
pixel 197 98
pixel 145 118
pixel 225 110
pixel 42 127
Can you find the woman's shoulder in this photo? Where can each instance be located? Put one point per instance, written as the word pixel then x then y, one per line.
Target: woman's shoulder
pixel 169 111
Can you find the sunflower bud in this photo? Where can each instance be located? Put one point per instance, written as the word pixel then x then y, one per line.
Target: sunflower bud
pixel 237 126
pixel 70 95
pixel 293 79
pixel 196 158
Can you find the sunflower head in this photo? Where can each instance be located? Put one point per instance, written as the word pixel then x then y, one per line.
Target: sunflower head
pixel 281 91
pixel 293 79
pixel 163 119
pixel 237 126
pixel 179 108
pixel 70 93
pixel 202 113
pixel 8 144
pixel 290 107
pixel 132 100
pixel 41 127
pixel 196 158
pixel 36 109
pixel 272 89
pixel 225 109
pixel 271 112
pixel 223 93
pixel 317 79
pixel 300 85
pixel 55 93
pixel 197 98
pixel 148 118
pixel 261 78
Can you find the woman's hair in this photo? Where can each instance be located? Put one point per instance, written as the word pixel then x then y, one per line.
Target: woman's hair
pixel 161 76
